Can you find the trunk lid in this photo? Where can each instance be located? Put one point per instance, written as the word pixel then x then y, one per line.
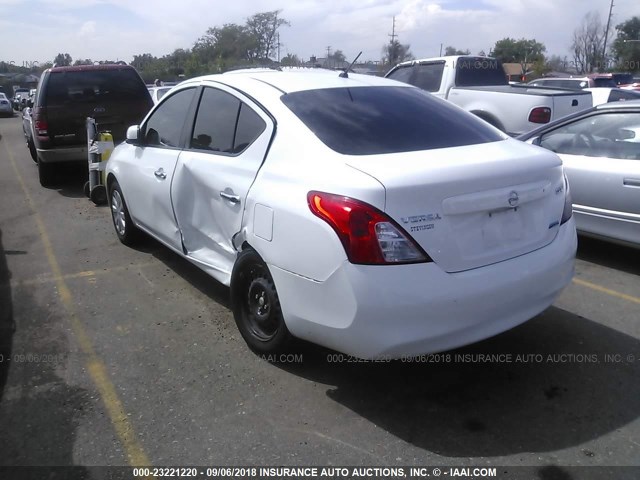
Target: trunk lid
pixel 474 205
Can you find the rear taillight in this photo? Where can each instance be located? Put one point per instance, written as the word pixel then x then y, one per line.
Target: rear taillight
pixel 40 125
pixel 540 115
pixel 368 235
pixel 567 212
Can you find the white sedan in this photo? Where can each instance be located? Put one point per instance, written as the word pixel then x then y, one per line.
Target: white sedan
pixel 357 213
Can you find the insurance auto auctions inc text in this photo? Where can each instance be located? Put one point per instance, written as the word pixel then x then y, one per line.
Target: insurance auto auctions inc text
pixel 375 472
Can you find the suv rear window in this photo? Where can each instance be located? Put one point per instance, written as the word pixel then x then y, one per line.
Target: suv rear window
pixel 376 120
pixel 95 85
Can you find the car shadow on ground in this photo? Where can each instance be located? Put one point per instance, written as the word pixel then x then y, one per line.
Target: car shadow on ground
pixel 610 255
pixel 562 380
pixel 207 285
pixel 39 411
pixel 69 179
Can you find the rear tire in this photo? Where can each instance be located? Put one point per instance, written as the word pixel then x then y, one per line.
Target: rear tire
pixel 45 173
pixel 256 306
pixel 126 231
pixel 32 151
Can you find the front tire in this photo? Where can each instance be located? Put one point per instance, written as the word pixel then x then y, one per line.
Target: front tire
pixel 126 231
pixel 256 306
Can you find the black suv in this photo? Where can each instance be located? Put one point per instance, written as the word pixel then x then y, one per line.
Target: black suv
pixel 113 94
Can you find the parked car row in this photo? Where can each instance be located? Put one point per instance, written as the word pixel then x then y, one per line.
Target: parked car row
pixel 356 212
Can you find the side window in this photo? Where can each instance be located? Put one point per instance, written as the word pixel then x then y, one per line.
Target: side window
pixel 250 126
pixel 402 74
pixel 429 77
pixel 612 135
pixel 216 121
pixel 164 127
pixel 225 124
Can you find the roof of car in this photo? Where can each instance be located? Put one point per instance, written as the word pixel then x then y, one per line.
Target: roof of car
pixel 293 81
pixel 80 68
pixel 619 105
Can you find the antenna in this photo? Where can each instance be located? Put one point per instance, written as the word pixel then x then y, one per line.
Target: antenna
pixel 345 74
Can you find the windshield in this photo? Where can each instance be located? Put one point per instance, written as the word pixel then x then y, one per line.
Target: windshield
pixel 376 120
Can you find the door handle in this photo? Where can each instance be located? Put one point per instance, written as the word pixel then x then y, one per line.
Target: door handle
pixel 160 173
pixel 232 198
pixel 631 182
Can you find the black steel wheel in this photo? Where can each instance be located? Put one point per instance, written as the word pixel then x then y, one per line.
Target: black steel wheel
pixel 256 306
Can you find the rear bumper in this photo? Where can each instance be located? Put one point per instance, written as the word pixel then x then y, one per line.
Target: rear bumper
pixel 405 310
pixel 62 154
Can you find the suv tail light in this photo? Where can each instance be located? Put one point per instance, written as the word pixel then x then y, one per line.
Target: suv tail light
pixel 540 115
pixel 368 235
pixel 40 125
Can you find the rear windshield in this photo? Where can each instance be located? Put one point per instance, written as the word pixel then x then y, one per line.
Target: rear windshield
pixel 479 72
pixel 376 120
pixel 622 78
pixel 95 85
pixel 604 82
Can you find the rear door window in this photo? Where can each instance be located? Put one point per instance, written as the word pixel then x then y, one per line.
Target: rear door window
pixel 224 124
pixel 95 85
pixel 376 120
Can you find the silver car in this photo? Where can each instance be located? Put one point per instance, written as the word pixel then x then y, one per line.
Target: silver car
pixel 600 149
pixel 6 110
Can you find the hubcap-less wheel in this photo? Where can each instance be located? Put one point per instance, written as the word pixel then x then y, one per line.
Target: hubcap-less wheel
pixel 259 307
pixel 256 305
pixel 118 212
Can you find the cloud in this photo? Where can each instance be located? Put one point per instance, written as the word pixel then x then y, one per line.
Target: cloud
pixel 88 28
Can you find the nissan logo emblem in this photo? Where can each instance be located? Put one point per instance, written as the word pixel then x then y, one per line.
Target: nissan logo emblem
pixel 513 199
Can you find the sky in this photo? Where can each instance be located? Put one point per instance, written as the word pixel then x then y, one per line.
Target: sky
pixel 37 30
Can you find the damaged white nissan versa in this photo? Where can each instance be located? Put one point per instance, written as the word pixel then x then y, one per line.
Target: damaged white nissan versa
pixel 355 212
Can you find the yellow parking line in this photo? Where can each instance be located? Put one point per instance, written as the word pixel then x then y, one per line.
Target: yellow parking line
pixel 97 370
pixel 608 291
pixel 47 278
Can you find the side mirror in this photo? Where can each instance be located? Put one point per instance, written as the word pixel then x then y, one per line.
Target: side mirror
pixel 133 135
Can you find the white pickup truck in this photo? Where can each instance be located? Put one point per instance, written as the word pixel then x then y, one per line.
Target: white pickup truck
pixel 479 85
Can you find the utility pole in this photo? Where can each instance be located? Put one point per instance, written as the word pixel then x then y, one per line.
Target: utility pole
pixel 606 37
pixel 278 37
pixel 393 31
pixel 393 50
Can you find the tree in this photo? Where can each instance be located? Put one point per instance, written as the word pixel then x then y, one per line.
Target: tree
pixel 626 47
pixel 454 51
pixel 263 27
pixel 290 60
pixel 63 60
pixel 226 46
pixel 588 44
pixel 509 50
pixel 555 63
pixel 86 61
pixel 395 52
